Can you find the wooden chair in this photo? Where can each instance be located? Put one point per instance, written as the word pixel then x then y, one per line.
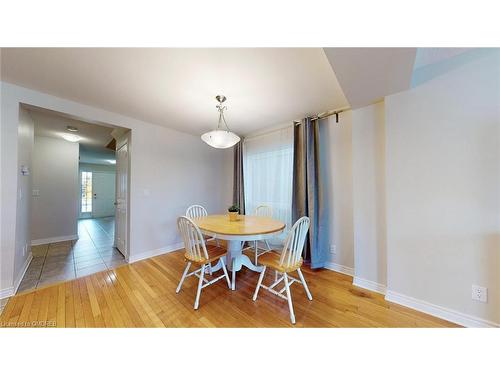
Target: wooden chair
pixel 288 261
pixel 195 212
pixel 200 254
pixel 262 211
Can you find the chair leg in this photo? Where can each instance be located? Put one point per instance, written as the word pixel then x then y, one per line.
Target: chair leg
pixel 303 281
pixel 256 252
pixel 233 277
pixel 289 298
pixel 225 272
pixel 210 269
pixel 183 277
pixel 275 276
pixel 200 283
pixel 267 245
pixel 259 283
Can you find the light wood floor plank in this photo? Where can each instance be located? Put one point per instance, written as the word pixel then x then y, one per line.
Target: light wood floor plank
pixel 61 305
pixel 143 294
pixel 69 307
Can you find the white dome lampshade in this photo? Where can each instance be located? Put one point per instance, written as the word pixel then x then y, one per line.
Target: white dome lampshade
pixel 220 138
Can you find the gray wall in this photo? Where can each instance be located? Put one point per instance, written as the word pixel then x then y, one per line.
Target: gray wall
pixel 336 187
pixel 23 227
pixel 55 176
pixel 443 189
pixel 368 148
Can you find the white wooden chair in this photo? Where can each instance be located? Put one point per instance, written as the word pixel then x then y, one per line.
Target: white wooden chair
pixel 288 261
pixel 262 211
pixel 195 212
pixel 200 254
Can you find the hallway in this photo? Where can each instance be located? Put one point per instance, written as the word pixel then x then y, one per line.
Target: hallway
pixel 62 261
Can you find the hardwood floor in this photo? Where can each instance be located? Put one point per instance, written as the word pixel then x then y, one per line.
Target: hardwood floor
pixel 143 295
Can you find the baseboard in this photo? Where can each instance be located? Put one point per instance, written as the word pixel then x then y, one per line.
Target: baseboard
pixel 440 312
pixel 368 284
pixel 153 253
pixel 44 241
pixel 23 271
pixel 340 268
pixel 7 292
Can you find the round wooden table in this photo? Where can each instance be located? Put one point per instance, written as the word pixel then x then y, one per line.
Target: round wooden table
pixel 247 228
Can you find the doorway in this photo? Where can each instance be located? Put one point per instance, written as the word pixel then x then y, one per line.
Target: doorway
pixel 78 198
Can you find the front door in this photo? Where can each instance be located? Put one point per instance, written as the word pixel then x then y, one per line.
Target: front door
pixel 103 189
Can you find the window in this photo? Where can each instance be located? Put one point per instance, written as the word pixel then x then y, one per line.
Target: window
pixel 268 173
pixel 86 192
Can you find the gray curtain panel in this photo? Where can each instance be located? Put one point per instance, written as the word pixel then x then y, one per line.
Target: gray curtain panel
pixel 306 195
pixel 238 185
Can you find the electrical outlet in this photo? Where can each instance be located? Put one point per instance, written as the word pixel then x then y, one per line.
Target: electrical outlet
pixel 479 293
pixel 333 249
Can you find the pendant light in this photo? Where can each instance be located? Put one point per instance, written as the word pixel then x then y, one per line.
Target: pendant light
pixel 220 138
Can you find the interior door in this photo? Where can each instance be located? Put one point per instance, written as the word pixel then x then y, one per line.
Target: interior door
pixel 121 207
pixel 103 189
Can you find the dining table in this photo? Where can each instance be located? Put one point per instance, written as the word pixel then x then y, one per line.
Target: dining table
pixel 245 228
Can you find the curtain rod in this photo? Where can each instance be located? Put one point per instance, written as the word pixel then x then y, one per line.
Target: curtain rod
pixel 295 122
pixel 326 114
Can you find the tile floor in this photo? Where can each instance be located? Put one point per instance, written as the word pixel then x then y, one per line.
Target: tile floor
pixel 61 261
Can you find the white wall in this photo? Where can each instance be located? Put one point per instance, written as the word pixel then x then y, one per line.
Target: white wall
pixel 336 168
pixel 169 169
pixel 368 154
pixel 55 175
pixel 24 158
pixel 443 189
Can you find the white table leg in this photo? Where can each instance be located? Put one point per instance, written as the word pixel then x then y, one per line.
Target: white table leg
pixel 235 259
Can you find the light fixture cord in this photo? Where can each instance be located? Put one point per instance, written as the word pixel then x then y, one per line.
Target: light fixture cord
pixel 221 117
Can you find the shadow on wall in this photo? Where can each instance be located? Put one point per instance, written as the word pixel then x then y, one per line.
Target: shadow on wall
pixel 431 71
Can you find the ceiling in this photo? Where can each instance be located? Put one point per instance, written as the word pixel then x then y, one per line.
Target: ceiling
pixel 367 75
pixel 428 56
pixel 94 138
pixel 176 88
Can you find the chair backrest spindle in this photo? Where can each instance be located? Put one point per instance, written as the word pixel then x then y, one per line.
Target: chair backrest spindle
pixel 196 211
pixel 192 237
pixel 294 243
pixel 264 211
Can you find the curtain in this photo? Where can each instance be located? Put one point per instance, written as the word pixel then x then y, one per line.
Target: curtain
pixel 306 195
pixel 238 184
pixel 268 169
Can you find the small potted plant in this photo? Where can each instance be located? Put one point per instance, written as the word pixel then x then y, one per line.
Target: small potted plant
pixel 233 211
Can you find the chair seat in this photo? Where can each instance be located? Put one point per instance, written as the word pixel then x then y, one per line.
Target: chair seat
pixel 214 253
pixel 272 260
